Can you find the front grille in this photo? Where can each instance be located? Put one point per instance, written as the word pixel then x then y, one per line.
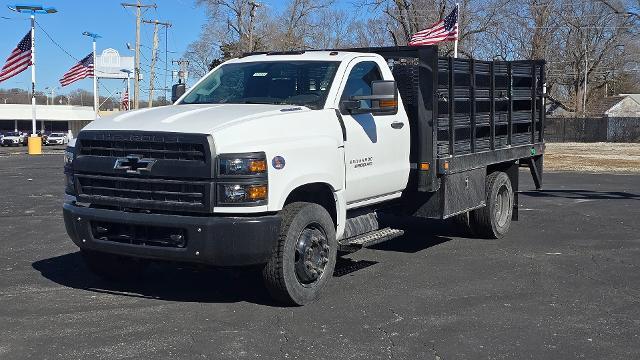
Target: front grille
pixel 154 148
pixel 173 172
pixel 141 235
pixel 139 193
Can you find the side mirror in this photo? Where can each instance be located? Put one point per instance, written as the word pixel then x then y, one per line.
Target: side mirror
pixel 177 91
pixel 384 99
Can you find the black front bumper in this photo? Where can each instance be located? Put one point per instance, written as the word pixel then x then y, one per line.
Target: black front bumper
pixel 213 240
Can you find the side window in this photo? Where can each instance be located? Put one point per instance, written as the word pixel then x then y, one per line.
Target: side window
pixel 359 82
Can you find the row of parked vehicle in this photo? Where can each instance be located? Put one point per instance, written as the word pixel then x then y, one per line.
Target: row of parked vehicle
pixel 18 138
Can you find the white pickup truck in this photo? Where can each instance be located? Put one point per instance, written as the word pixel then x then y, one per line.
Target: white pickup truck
pixel 279 160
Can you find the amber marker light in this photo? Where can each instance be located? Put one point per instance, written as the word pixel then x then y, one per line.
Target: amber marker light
pixel 257 166
pixel 424 166
pixel 257 192
pixel 388 103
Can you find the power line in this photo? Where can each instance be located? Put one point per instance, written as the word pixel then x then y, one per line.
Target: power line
pixel 55 42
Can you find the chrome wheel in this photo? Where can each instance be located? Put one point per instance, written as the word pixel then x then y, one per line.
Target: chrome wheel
pixel 312 254
pixel 503 206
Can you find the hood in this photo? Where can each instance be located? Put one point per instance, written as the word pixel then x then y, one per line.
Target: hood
pixel 200 119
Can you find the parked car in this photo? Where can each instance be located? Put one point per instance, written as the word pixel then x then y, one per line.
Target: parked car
pixel 57 138
pixel 12 138
pixel 26 136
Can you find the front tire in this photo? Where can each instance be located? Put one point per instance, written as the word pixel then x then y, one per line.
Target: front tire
pixel 113 267
pixel 494 220
pixel 304 257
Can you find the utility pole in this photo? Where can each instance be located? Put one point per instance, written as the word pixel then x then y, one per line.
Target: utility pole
pixel 166 60
pixel 252 14
pixel 586 74
pixel 136 77
pixel 154 56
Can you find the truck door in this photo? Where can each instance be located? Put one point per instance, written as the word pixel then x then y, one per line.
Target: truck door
pixel 377 146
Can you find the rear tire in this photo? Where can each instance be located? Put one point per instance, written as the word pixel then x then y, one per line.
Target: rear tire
pixel 113 267
pixel 494 220
pixel 304 257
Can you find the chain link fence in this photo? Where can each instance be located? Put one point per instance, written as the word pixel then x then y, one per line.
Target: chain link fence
pixel 600 129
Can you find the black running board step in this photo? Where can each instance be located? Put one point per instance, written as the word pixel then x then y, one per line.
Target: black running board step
pixel 369 239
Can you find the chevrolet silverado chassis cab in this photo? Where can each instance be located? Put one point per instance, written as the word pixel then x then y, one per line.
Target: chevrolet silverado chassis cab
pixel 280 160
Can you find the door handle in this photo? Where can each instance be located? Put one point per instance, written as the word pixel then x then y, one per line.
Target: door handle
pixel 397 125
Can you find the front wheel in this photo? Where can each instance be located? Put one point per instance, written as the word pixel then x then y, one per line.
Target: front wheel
pixel 494 220
pixel 304 257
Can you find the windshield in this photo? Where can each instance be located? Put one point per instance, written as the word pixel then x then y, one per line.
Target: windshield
pixel 304 83
pixel 56 135
pixel 12 133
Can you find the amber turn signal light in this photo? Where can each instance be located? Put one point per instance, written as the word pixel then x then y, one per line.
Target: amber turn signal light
pixel 424 166
pixel 388 103
pixel 257 166
pixel 257 192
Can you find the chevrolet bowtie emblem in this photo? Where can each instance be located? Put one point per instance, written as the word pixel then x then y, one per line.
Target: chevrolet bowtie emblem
pixel 134 164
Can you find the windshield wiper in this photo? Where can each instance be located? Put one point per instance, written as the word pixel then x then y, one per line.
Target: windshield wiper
pixel 259 102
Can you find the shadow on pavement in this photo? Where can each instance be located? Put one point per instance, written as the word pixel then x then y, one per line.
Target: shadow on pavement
pixel 583 194
pixel 163 282
pixel 171 282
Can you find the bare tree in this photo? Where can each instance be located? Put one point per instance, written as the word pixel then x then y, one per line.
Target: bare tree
pixel 406 17
pixel 300 23
pixel 564 32
pixel 589 42
pixel 238 26
pixel 201 54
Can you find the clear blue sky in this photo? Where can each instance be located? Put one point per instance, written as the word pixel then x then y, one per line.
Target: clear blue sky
pixel 108 18
pixel 114 23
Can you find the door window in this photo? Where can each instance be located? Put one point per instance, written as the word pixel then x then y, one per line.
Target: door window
pixel 359 82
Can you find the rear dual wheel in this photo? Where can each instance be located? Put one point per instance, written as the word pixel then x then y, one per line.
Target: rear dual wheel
pixel 493 220
pixel 304 257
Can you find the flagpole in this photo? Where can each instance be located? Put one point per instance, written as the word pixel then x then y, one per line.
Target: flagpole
pixel 95 80
pixel 33 75
pixel 35 144
pixel 455 44
pixel 96 97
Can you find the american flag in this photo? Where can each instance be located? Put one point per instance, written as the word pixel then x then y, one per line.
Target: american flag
pixel 79 71
pixel 19 60
pixel 125 99
pixel 443 30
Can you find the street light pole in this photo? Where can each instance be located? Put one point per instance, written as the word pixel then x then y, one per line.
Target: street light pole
pixel 96 97
pixel 35 144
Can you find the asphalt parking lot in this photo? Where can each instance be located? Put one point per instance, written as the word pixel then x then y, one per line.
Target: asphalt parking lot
pixel 563 284
pixel 22 150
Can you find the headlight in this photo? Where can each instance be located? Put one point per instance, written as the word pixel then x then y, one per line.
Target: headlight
pixel 69 186
pixel 242 194
pixel 242 180
pixel 68 157
pixel 253 164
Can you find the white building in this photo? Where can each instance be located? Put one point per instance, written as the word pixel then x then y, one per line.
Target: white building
pixel 17 117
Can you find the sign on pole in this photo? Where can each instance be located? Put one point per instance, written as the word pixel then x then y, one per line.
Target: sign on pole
pixel 110 65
